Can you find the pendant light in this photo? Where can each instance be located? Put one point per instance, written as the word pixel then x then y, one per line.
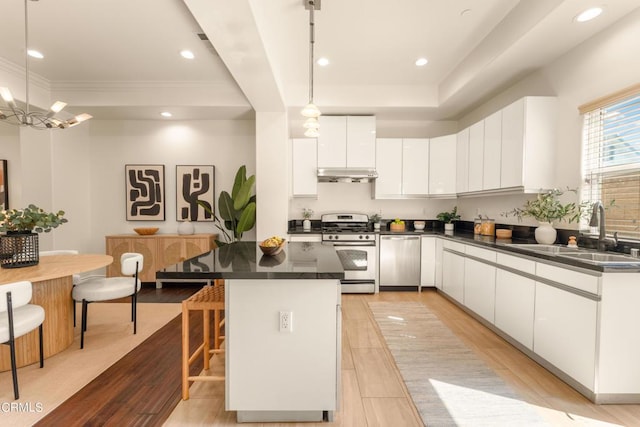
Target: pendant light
pixel 25 117
pixel 311 111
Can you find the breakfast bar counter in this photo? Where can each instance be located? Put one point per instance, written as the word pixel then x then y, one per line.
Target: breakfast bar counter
pixel 282 328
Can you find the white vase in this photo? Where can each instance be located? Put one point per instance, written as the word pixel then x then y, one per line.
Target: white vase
pixel 448 227
pixel 376 226
pixel 186 227
pixel 306 225
pixel 545 233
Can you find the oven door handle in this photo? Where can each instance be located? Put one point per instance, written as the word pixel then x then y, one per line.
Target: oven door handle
pixel 367 243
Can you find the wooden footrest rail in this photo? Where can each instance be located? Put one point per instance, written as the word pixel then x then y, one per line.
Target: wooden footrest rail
pixel 207 299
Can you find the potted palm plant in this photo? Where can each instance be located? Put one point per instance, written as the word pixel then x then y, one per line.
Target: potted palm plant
pixel 449 217
pixel 19 244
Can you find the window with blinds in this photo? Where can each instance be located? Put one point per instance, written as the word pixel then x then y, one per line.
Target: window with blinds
pixel 611 162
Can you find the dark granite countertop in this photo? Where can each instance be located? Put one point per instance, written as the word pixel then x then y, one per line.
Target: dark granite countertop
pixel 244 260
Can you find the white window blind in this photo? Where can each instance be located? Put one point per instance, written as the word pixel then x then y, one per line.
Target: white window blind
pixel 611 163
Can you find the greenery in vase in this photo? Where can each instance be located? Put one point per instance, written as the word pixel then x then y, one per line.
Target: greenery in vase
pixel 547 208
pixel 238 209
pixel 375 218
pixel 307 213
pixel 31 218
pixel 449 217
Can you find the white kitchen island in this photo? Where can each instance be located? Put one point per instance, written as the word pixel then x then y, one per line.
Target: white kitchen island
pixel 282 328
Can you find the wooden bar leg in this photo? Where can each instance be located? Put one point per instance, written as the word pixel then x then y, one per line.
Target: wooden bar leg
pixel 206 331
pixel 185 353
pixel 216 329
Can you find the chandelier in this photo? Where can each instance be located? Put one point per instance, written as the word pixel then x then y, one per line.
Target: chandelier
pixel 311 111
pixel 38 119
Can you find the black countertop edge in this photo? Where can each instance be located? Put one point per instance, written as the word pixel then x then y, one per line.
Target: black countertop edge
pixel 511 245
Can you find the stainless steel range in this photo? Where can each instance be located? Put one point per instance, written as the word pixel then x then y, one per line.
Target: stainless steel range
pixel 356 245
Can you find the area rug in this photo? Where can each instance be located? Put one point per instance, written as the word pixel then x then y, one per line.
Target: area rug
pixel 108 339
pixel 449 384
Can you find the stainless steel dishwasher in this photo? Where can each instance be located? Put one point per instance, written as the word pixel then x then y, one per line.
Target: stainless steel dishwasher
pixel 399 262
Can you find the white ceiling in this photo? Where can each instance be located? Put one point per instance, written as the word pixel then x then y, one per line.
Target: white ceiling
pixel 120 58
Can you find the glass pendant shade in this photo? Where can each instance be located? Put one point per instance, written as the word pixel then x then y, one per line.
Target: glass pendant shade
pixel 312 133
pixel 311 123
pixel 310 111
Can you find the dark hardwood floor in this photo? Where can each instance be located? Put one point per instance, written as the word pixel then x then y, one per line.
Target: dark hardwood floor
pixel 143 387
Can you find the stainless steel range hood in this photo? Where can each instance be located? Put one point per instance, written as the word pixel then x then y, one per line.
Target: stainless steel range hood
pixel 357 175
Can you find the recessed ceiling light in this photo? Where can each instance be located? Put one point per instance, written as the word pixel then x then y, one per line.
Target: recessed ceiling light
pixel 465 12
pixel 421 62
pixel 187 54
pixel 323 62
pixel 589 14
pixel 166 114
pixel 34 54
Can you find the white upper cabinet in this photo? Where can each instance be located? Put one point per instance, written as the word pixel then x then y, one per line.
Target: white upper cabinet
pixel 347 141
pixel 332 142
pixel 403 168
pixel 415 167
pixel 476 156
pixel 389 168
pixel 361 141
pixel 442 165
pixel 528 135
pixel 492 151
pixel 304 167
pixel 462 161
pixel 511 150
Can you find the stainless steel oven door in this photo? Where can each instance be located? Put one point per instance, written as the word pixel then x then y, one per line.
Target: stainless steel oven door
pixel 359 263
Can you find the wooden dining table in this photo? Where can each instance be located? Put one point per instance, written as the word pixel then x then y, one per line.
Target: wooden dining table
pixel 52 280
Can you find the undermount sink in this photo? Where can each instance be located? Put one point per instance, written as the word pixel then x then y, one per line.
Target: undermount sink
pixel 546 249
pixel 604 258
pixel 585 255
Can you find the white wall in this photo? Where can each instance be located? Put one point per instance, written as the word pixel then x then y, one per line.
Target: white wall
pixel 226 144
pixel 272 180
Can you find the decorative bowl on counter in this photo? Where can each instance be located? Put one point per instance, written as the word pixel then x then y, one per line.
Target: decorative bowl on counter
pixel 268 248
pixel 146 231
pixel 418 225
pixel 502 233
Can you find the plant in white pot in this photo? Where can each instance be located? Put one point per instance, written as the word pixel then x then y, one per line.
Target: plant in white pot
pixel 306 222
pixel 19 244
pixel 449 217
pixel 375 218
pixel 546 208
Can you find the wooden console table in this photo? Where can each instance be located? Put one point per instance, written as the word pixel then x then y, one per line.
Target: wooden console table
pixel 159 250
pixel 52 283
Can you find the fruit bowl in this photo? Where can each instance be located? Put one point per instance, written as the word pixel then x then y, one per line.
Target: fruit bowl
pixel 146 231
pixel 271 250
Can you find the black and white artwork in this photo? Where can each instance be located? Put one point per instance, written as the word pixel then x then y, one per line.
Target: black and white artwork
pixel 145 192
pixel 4 186
pixel 194 183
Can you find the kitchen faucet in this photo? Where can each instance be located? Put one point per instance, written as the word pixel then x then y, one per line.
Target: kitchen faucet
pixel 603 240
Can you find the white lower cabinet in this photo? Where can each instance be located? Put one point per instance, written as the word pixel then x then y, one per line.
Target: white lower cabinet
pixel 565 328
pixel 438 264
pixel 453 276
pixel 428 261
pixel 515 299
pixel 479 288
